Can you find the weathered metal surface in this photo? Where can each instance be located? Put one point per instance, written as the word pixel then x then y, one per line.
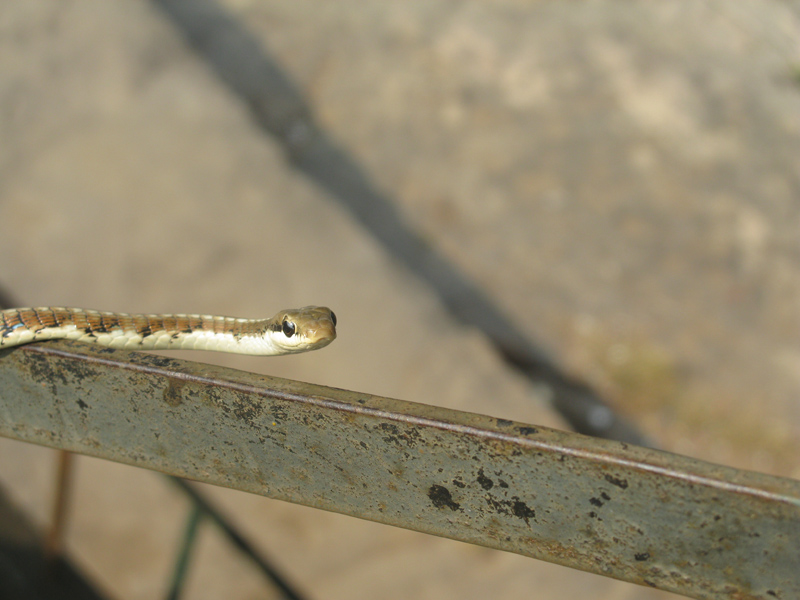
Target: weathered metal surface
pixel 622 511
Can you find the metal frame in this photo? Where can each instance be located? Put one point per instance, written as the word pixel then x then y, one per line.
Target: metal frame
pixel 606 507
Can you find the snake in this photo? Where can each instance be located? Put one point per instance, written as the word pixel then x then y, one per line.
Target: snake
pixel 288 332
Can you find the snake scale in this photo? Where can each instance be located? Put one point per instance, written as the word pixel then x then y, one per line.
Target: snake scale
pixel 288 332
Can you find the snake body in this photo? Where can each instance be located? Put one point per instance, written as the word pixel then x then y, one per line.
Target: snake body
pixel 288 332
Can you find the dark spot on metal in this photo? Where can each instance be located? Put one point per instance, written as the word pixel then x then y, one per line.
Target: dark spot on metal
pixel 441 498
pixel 172 393
pixel 593 515
pixel 159 361
pixel 515 507
pixel 502 483
pixel 484 481
pixel 42 371
pixel 246 409
pixel 605 496
pixel 458 483
pixel 772 593
pixel 407 437
pixel 527 430
pixel 642 556
pixel 523 511
pixel 596 501
pixel 504 423
pixel 82 404
pixel 620 483
pixel 717 517
pixel 363 445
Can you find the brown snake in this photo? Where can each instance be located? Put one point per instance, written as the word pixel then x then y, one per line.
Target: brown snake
pixel 288 332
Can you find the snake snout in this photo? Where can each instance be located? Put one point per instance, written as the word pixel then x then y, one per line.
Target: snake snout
pixel 321 331
pixel 318 325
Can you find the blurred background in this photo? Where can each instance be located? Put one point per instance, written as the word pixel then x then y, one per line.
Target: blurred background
pixel 610 188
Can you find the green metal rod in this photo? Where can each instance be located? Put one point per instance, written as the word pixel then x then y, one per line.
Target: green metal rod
pixel 184 553
pixel 201 503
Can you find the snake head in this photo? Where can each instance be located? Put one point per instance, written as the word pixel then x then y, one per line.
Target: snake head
pixel 303 329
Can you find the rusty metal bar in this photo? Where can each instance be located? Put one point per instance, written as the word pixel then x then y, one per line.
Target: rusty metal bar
pixel 622 511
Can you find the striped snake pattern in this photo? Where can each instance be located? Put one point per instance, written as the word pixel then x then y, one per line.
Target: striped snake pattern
pixel 288 332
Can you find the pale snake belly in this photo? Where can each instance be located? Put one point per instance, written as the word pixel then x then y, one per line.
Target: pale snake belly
pixel 288 332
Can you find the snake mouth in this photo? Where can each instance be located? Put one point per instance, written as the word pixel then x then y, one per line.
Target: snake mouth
pixel 319 341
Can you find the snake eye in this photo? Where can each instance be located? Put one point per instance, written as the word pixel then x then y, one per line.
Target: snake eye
pixel 288 328
pixel 333 318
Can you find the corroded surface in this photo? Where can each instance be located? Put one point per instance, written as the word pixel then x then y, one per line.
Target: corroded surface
pixel 622 511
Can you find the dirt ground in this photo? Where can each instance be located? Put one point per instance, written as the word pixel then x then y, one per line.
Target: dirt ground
pixel 622 178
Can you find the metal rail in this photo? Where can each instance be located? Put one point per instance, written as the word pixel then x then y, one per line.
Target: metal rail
pixel 622 511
